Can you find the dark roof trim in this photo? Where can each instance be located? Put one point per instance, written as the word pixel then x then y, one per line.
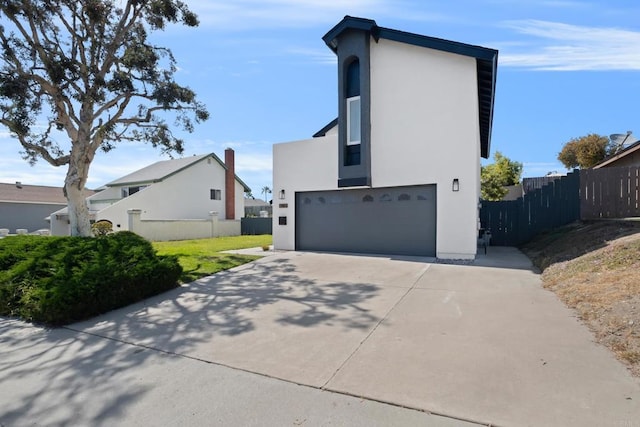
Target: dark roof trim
pixel 486 59
pixel 352 23
pixel 247 189
pixel 473 51
pixel 348 23
pixel 323 132
pixel 630 149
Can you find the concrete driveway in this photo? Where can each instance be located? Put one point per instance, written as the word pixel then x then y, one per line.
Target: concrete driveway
pixel 482 343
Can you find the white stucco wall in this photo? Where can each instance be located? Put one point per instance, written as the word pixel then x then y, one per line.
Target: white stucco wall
pixel 163 230
pixel 305 165
pixel 424 130
pixel 184 195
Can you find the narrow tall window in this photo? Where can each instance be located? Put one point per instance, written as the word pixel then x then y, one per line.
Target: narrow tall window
pixel 353 120
pixel 352 93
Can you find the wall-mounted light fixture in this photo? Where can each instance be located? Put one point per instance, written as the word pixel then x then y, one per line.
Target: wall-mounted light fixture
pixel 456 185
pixel 281 194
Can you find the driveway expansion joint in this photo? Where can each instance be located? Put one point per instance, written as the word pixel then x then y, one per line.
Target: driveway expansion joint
pixel 386 315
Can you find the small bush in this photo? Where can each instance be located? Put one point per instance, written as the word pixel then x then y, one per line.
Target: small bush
pixel 102 228
pixel 59 280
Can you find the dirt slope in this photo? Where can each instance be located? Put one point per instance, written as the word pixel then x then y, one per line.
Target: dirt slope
pixel 595 269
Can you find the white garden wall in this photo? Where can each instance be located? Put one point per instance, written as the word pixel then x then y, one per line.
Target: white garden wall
pixel 164 230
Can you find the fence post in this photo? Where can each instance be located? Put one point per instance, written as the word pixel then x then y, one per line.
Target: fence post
pixel 134 220
pixel 213 217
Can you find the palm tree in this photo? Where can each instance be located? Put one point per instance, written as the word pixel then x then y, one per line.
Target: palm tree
pixel 266 190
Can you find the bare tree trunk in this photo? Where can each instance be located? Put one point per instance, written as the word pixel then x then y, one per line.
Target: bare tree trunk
pixel 77 174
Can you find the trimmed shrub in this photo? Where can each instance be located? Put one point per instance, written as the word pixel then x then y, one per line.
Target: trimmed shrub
pixel 102 228
pixel 59 280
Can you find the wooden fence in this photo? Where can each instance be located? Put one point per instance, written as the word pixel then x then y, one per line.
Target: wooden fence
pixel 609 193
pixel 513 223
pixel 536 183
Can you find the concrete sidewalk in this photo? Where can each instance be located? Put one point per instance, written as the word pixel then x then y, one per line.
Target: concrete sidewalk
pixel 65 378
pixel 482 342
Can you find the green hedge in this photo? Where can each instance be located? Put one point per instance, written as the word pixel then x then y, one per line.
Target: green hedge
pixel 59 280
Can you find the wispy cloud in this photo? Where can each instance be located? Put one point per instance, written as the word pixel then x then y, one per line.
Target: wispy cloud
pixel 316 56
pixel 555 46
pixel 277 14
pixel 15 169
pixel 252 14
pixel 573 4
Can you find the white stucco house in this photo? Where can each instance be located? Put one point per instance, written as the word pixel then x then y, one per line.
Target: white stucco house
pixel 398 172
pixel 191 197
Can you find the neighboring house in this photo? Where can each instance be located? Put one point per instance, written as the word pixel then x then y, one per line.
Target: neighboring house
pixel 398 172
pixel 256 207
pixel 630 156
pixel 166 192
pixel 535 183
pixel 514 192
pixel 28 206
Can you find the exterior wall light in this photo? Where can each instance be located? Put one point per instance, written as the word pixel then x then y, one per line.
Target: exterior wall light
pixel 281 194
pixel 456 185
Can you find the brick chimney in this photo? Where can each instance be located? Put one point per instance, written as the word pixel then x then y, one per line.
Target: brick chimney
pixel 230 184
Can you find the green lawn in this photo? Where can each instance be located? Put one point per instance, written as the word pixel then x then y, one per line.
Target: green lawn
pixel 203 257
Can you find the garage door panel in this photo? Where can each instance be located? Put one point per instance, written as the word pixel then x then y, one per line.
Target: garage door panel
pixel 399 220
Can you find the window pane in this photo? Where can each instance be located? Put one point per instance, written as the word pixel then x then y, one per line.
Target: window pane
pixel 353 79
pixel 353 107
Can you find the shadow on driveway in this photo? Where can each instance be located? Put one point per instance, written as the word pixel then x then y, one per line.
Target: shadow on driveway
pixel 197 320
pixel 63 366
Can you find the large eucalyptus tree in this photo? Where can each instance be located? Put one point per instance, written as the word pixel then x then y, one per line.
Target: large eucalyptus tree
pixel 81 76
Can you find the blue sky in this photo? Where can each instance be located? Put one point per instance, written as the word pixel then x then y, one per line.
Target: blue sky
pixel 566 68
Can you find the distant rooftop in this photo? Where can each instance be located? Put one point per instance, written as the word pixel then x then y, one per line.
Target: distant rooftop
pixel 620 154
pixel 158 171
pixel 255 202
pixel 18 192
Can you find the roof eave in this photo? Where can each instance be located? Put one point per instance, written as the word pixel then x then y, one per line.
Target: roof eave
pixel 630 149
pixel 130 183
pixel 323 132
pixel 348 23
pixel 486 100
pixel 486 60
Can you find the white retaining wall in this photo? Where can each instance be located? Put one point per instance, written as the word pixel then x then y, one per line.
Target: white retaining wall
pixel 171 229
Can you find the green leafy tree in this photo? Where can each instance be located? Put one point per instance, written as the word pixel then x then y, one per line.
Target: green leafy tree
pixel 81 76
pixel 586 151
pixel 495 176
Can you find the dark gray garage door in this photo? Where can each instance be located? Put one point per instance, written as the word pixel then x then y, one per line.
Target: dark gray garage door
pixel 396 220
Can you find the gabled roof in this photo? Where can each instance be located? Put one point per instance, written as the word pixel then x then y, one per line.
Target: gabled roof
pixel 323 132
pixel 486 61
pixel 630 149
pixel 33 194
pixel 161 170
